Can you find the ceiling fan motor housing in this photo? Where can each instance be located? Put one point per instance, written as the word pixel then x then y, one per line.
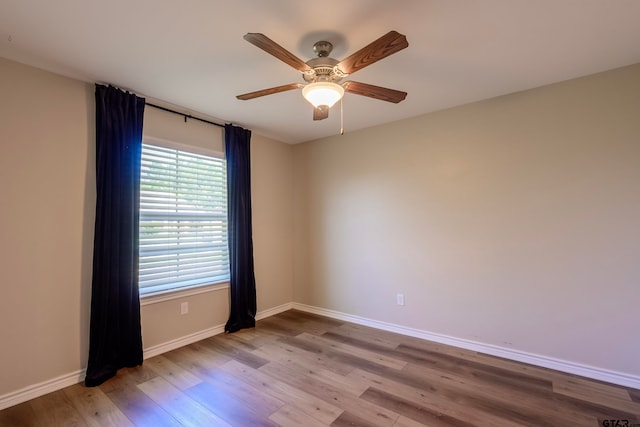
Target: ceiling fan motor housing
pixel 323 69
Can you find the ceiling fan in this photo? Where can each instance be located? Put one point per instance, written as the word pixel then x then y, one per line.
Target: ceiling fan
pixel 324 74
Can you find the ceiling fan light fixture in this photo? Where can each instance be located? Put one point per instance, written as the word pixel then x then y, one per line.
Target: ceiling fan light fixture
pixel 323 93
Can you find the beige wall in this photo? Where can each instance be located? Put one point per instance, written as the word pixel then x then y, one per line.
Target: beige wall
pixel 272 208
pixel 512 222
pixel 164 325
pixel 47 196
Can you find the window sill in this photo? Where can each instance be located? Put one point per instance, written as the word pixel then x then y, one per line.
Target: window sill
pixel 170 295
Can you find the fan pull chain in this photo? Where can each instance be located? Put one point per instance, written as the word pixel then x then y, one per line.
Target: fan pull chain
pixel 341 118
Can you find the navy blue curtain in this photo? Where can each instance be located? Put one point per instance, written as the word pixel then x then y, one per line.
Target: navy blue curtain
pixel 115 332
pixel 243 283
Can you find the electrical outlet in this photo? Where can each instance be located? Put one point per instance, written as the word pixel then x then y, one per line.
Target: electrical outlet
pixel 184 308
pixel 400 299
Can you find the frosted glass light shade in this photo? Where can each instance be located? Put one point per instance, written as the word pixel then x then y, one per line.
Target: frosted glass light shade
pixel 323 93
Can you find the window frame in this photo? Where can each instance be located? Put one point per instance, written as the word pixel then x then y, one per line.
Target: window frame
pixel 182 291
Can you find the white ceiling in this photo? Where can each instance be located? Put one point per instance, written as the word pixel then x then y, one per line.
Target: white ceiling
pixel 191 52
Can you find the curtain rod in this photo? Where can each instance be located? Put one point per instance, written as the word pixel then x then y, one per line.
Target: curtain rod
pixel 186 116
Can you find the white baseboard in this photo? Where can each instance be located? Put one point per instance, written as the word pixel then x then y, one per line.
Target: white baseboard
pixel 37 390
pixel 40 389
pixel 507 353
pixel 182 341
pixel 273 311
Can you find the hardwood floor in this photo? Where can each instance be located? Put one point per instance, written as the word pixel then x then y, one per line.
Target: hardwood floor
pixel 298 369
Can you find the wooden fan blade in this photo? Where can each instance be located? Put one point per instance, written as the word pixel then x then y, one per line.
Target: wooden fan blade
pixel 377 92
pixel 273 48
pixel 386 45
pixel 269 91
pixel 321 112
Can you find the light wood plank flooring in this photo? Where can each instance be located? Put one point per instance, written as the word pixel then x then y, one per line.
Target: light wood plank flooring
pixel 298 369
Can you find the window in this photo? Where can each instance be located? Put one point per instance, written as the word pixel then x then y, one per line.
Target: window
pixel 183 220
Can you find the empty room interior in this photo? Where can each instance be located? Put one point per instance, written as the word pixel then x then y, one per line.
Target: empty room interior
pixel 454 241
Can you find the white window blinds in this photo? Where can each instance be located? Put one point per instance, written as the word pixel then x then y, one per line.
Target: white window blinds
pixel 183 220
